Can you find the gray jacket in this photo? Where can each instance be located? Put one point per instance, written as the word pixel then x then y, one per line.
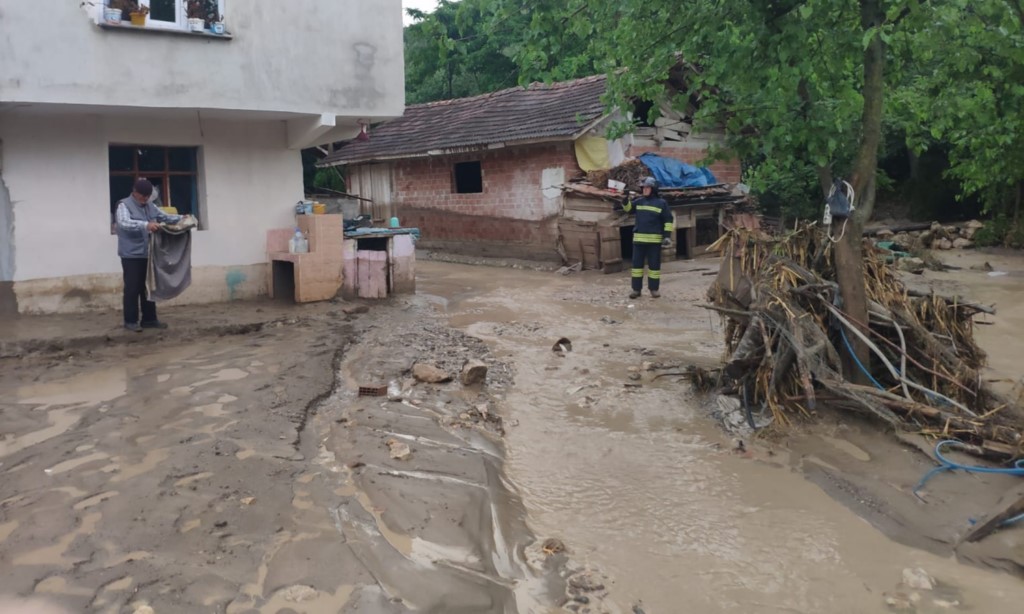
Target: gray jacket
pixel 132 219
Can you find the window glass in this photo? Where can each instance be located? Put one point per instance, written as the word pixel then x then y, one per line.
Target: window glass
pixel 121 159
pixel 181 159
pixel 152 159
pixel 163 10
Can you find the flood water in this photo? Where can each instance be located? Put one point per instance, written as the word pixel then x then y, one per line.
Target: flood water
pixel 646 489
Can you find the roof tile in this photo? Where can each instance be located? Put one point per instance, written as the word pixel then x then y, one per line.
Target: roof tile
pixel 553 111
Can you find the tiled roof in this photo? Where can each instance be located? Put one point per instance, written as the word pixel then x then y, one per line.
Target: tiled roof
pixel 540 112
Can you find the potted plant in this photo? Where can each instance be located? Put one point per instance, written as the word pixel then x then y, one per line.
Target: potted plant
pixel 113 11
pixel 137 13
pixel 195 10
pixel 217 27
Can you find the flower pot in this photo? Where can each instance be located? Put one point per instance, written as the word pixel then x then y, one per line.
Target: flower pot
pixel 112 15
pixel 138 19
pixel 217 27
pixel 196 24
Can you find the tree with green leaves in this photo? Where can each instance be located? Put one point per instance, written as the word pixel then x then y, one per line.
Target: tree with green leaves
pixel 800 82
pixel 466 47
pixel 965 92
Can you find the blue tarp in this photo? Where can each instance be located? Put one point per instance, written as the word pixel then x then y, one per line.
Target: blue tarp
pixel 672 173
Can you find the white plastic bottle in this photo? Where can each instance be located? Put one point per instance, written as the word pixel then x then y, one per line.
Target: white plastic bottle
pixel 298 244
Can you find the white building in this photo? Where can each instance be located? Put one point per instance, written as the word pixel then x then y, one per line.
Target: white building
pixel 217 122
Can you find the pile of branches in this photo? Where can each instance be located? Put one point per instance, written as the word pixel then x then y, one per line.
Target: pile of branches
pixel 630 172
pixel 787 333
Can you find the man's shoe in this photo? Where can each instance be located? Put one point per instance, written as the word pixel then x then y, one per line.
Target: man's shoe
pixel 154 324
pixel 133 326
pixel 655 294
pixel 634 294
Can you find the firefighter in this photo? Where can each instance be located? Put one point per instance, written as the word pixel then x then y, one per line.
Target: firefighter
pixel 653 230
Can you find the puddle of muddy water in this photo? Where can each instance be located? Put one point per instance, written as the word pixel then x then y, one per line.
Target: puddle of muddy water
pixel 85 389
pixel 642 486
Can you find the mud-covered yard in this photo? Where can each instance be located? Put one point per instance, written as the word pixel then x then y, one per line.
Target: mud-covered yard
pixel 226 468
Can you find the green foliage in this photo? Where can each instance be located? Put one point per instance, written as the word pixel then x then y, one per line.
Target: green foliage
pixel 467 47
pixel 967 91
pixel 329 179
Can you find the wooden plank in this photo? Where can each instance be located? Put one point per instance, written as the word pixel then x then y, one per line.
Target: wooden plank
pixel 373 274
pixel 1009 506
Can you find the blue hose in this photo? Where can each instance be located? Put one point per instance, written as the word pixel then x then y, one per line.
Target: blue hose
pixel 948 465
pixel 860 365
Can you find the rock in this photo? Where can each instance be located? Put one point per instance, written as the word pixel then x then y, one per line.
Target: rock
pixel 974 225
pixel 962 243
pixel 562 345
pixel 248 500
pixel 635 377
pixel 884 234
pixel 951 231
pixel 633 369
pixel 899 602
pixel 473 372
pixel 910 265
pixel 903 239
pixel 552 546
pixel 648 365
pixel 982 267
pixel 918 578
pixel 945 244
pixel 354 309
pixel 299 593
pixel 144 609
pixel 926 237
pixel 968 233
pixel 399 450
pixel 946 604
pixel 429 374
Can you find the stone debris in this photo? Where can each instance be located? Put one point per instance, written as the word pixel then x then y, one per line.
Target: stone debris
pixel 430 374
pixel 562 346
pixel 299 593
pixel 918 578
pixel 399 450
pixel 899 602
pixel 911 265
pixel 473 372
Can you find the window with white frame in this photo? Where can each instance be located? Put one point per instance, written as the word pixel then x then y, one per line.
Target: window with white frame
pixel 174 14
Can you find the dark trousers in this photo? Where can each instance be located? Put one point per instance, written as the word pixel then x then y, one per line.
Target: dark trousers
pixel 651 254
pixel 135 291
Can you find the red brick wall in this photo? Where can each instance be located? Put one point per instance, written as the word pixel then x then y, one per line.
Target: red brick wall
pixel 727 171
pixel 507 219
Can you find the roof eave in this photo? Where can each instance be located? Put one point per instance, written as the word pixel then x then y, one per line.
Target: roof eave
pixel 449 151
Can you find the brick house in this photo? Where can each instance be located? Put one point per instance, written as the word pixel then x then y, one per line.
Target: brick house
pixel 483 175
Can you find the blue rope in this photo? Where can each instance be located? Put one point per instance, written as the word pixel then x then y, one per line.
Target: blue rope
pixel 948 465
pixel 853 354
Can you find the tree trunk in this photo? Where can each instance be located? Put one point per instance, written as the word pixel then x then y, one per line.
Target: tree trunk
pixel 849 254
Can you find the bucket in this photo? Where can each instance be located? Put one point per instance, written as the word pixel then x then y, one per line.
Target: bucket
pixel 196 24
pixel 112 15
pixel 394 222
pixel 138 19
pixel 319 208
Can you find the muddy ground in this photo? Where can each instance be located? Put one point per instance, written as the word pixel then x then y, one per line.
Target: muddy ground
pixel 238 470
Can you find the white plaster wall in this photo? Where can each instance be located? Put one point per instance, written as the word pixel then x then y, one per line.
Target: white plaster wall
pixel 300 56
pixel 56 170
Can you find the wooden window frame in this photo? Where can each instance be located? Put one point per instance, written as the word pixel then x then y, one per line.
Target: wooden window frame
pixel 162 176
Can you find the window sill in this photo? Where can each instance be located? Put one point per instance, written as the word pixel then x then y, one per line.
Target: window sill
pixel 127 27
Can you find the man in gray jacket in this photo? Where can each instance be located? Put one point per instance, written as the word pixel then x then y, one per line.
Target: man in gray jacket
pixel 136 219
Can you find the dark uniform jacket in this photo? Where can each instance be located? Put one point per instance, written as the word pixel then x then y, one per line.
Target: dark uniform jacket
pixel 653 219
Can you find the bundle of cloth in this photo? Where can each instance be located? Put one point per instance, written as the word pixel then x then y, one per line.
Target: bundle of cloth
pixel 170 259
